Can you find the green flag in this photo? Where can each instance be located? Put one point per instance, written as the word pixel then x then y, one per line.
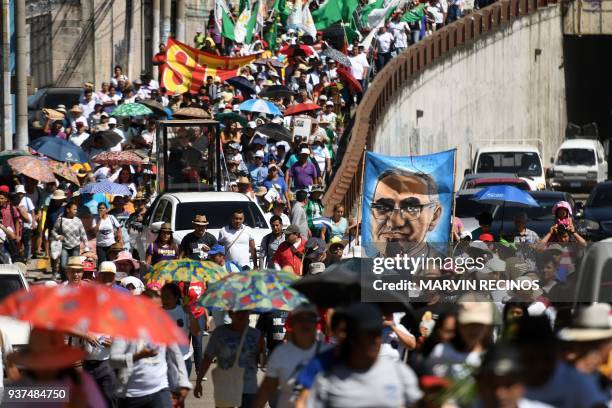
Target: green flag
pixel 243 4
pixel 333 11
pixel 366 10
pixel 280 9
pixel 414 15
pixel 272 35
pixel 250 27
pixel 227 26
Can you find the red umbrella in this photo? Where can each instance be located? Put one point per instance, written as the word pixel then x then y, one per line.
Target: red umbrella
pixel 349 80
pixel 118 158
pixel 301 108
pixel 93 308
pixel 293 50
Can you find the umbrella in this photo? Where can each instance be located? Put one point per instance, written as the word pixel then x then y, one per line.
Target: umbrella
pixel 261 106
pixel 244 85
pixel 93 308
pixel 272 61
pixel 110 138
pixel 337 56
pixel 275 91
pixel 4 156
pixel 63 170
pixel 295 50
pixel 107 187
pixel 301 108
pixel 33 167
pixel 186 270
pixel 275 131
pixel 155 106
pixel 256 290
pixel 232 117
pixel 132 109
pixel 342 284
pixel 59 149
pixel 349 79
pixel 122 158
pixel 505 195
pixel 191 113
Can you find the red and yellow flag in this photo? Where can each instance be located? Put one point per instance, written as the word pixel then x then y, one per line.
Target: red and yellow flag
pixel 187 68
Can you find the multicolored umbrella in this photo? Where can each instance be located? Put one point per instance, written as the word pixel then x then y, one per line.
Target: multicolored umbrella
pixel 301 108
pixel 257 290
pixel 59 149
pixel 107 187
pixel 261 106
pixel 93 308
pixel 33 167
pixel 191 113
pixel 154 105
pixel 122 158
pixel 186 270
pixel 231 117
pixel 63 170
pixel 337 56
pixel 9 154
pixel 132 109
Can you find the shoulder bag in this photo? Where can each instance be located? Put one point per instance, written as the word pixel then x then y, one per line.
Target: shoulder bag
pixel 229 384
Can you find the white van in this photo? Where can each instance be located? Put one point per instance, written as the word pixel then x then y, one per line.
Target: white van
pixel 579 165
pixel 522 160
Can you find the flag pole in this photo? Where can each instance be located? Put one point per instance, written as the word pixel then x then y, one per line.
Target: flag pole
pixel 454 195
pixel 359 204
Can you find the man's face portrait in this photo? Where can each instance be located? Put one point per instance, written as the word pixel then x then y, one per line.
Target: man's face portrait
pixel 404 209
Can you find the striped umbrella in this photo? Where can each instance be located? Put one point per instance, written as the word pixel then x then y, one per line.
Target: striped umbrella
pixel 261 106
pixel 106 187
pixel 33 167
pixel 256 290
pixel 186 270
pixel 132 109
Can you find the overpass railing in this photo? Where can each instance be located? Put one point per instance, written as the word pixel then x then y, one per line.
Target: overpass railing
pixel 345 188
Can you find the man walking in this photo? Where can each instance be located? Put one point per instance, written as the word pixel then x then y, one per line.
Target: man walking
pixel 299 217
pixel 271 242
pixel 239 241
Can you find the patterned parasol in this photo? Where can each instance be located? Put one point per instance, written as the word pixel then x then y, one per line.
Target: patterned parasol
pixel 122 158
pixel 257 290
pixel 32 167
pixel 132 109
pixel 186 270
pixel 63 170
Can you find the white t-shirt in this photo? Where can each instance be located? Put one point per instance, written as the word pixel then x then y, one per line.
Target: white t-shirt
pixel 106 232
pixel 117 147
pixel 284 365
pixel 384 42
pixel 391 346
pixel 399 33
pixel 359 64
pixel 321 154
pixel 182 320
pixel 149 374
pixel 239 251
pixel 29 207
pixel 79 139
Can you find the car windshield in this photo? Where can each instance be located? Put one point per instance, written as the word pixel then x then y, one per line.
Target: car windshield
pixel 465 207
pixel 9 284
pixel 576 157
pixel 68 99
pixel 602 197
pixel 520 184
pixel 218 214
pixel 522 163
pixel 543 212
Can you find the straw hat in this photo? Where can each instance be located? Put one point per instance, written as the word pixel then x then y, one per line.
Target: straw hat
pixel 167 227
pixel 75 262
pixel 243 180
pixel 76 108
pixel 590 324
pixel 261 191
pixel 47 350
pixel 200 220
pixel 336 241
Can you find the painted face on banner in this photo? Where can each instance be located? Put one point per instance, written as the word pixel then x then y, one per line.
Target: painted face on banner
pixel 404 209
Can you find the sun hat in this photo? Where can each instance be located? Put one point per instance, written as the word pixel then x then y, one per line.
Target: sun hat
pixel 243 180
pixel 76 108
pixel 316 268
pixel 75 262
pixel 336 241
pixel 216 250
pixel 261 191
pixel 166 226
pixel 112 121
pixel 154 286
pixel 292 229
pixel 134 281
pixel 126 256
pixel 200 220
pixel 591 323
pixel 108 266
pixel 20 189
pixel 47 350
pixel 475 312
pixel 562 204
pixel 58 195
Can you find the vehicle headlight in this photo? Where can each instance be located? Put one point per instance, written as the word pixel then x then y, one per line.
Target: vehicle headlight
pixel 541 186
pixel 592 174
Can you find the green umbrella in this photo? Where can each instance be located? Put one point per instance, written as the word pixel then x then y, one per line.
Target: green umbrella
pixel 9 154
pixel 232 117
pixel 132 109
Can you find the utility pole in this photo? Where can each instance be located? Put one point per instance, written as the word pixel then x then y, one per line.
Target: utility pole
pixel 21 94
pixel 166 23
pixel 155 33
pixel 180 20
pixel 7 106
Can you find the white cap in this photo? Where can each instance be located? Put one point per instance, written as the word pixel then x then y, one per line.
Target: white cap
pixel 329 103
pixel 112 121
pixel 323 97
pixel 108 266
pixel 252 125
pixel 20 189
pixel 259 153
pixel 305 150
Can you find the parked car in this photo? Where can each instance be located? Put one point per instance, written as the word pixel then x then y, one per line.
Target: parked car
pixel 479 183
pixel 523 160
pixel 594 281
pixel 467 210
pixel 49 98
pixel 180 209
pixel 12 280
pixel 540 218
pixel 469 178
pixel 579 165
pixel 596 220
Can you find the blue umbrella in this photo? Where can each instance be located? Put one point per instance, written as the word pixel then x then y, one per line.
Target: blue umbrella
pixel 107 187
pixel 59 149
pixel 261 106
pixel 505 195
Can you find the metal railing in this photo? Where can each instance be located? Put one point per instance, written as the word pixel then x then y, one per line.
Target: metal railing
pixel 345 188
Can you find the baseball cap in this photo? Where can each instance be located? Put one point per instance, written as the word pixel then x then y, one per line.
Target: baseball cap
pixel 4 189
pixel 329 103
pixel 292 229
pixel 252 124
pixel 20 189
pixel 216 249
pixel 363 317
pixel 112 121
pixel 259 154
pixel 305 150
pixel 108 266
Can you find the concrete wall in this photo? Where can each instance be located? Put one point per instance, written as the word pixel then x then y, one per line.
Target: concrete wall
pixel 585 17
pixel 492 88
